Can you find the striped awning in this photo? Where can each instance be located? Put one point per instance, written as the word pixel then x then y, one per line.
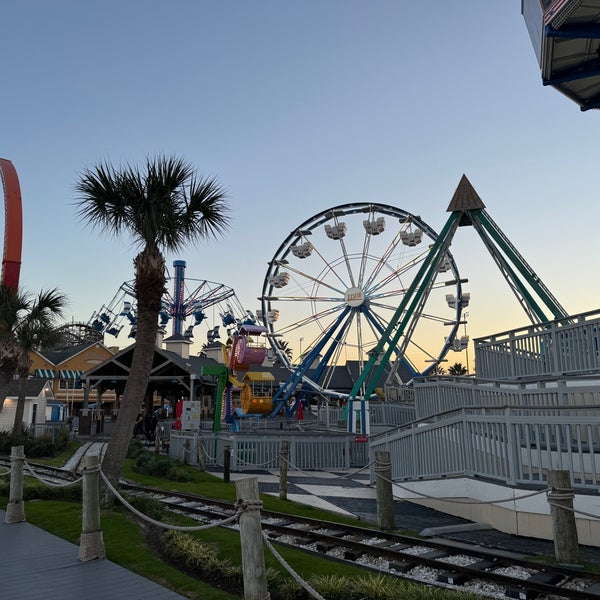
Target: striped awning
pixel 68 374
pixel 45 373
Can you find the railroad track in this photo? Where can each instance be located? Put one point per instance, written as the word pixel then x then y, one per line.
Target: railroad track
pixel 434 562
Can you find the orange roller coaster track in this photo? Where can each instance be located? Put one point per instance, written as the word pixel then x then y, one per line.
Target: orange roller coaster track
pixel 13 225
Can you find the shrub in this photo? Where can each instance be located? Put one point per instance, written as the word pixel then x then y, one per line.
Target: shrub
pixel 157 465
pixel 332 587
pixel 35 446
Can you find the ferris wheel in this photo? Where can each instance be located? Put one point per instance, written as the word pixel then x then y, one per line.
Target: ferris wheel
pixel 336 282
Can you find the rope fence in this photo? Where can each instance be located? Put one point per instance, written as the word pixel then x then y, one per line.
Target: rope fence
pixel 558 497
pixel 290 570
pixel 170 526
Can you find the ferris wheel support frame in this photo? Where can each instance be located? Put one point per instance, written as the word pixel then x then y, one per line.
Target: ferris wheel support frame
pixel 381 355
pixel 466 208
pixel 298 374
pixel 484 224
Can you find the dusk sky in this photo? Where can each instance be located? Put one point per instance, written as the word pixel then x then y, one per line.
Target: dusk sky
pixel 296 107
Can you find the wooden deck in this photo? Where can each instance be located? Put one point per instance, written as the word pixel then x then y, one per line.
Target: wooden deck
pixel 36 565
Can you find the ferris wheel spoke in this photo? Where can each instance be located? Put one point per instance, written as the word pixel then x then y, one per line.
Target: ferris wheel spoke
pixel 363 262
pixel 383 261
pixel 397 273
pixel 345 255
pixel 317 318
pixel 328 267
pixel 308 278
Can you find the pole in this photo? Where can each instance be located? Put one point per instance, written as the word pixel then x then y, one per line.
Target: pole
pixel 284 458
pixel 201 454
pixel 227 464
pixel 467 348
pixel 91 544
pixel 564 528
pixel 383 486
pixel 15 509
pixel 253 557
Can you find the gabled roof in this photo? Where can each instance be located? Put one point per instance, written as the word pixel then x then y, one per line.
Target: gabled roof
pixel 33 388
pixel 57 357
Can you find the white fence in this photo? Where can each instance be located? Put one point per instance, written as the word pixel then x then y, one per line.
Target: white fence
pixel 442 394
pixel 565 346
pixel 250 452
pixel 512 445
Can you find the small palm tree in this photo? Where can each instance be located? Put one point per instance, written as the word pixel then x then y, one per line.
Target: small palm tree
pixel 285 348
pixel 457 369
pixel 163 207
pixel 26 324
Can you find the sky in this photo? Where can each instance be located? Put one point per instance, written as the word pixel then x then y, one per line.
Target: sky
pixel 296 107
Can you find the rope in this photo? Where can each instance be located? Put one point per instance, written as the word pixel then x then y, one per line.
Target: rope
pixel 3 473
pixel 451 500
pixel 573 510
pixel 50 483
pixel 561 494
pixel 211 458
pixel 264 464
pixel 347 475
pixel 291 571
pixel 160 523
pixel 248 504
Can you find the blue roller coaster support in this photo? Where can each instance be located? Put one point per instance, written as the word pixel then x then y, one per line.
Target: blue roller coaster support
pixel 178 296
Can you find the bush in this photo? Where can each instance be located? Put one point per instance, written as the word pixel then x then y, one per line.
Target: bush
pixel 157 465
pixel 35 446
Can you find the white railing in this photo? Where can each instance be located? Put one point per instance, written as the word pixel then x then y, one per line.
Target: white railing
pixel 441 394
pixel 560 347
pixel 510 444
pixel 249 452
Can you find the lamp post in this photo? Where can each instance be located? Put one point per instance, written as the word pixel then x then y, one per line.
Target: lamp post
pixel 464 320
pixel 300 356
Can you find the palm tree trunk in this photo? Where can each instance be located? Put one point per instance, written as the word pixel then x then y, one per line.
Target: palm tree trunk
pixel 132 400
pixel 20 410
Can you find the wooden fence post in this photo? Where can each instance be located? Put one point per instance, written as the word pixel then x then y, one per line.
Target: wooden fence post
pixel 284 458
pixel 15 509
pixel 227 464
pixel 201 454
pixel 91 543
pixel 383 487
pixel 564 528
pixel 253 557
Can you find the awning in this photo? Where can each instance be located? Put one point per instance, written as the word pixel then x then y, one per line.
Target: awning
pixel 45 374
pixel 68 374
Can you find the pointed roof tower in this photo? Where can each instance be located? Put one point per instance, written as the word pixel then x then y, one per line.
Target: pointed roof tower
pixel 465 197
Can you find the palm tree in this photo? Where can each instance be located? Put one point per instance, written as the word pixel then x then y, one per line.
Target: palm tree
pixel 285 348
pixel 457 369
pixel 26 324
pixel 163 208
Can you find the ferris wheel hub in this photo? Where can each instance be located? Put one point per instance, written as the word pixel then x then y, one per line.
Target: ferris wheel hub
pixel 354 297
